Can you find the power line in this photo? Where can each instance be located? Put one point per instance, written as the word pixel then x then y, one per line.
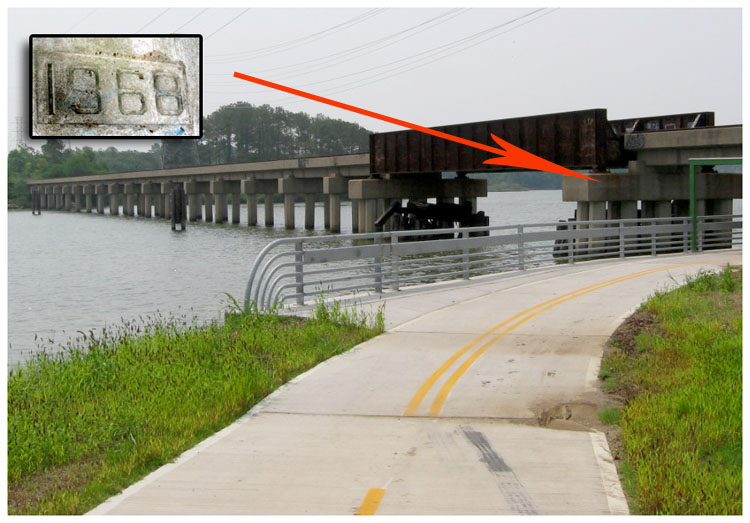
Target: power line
pixel 229 22
pixel 324 62
pixel 415 58
pixel 79 21
pixel 408 67
pixel 186 23
pixel 285 46
pixel 153 20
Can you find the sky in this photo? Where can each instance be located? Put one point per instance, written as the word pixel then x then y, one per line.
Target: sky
pixel 432 66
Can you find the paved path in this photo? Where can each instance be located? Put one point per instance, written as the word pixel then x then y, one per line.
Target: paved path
pixel 472 402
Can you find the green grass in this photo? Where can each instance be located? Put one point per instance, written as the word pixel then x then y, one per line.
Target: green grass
pixel 610 416
pixel 87 423
pixel 682 379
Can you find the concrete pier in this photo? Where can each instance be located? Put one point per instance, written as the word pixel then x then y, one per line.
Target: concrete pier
pixel 88 191
pixel 115 190
pixel 268 206
pixel 101 195
pixel 219 193
pixel 334 187
pixel 290 187
pixel 77 198
pixel 208 206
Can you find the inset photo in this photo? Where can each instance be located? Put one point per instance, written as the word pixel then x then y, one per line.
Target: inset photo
pixel 116 86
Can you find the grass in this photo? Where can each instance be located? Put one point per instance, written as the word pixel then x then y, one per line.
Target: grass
pixel 681 377
pixel 84 424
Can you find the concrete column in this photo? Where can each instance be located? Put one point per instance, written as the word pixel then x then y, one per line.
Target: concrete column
pixel 68 197
pixel 57 196
pixel 88 191
pixel 77 198
pixel 597 210
pixel 149 191
pixel 334 206
pixel 115 189
pixel 194 201
pixel 49 198
pixel 219 190
pixel 43 197
pixel 309 211
pixel 663 209
pixel 628 209
pixel 268 204
pixel 236 201
pixel 648 209
pixel 371 211
pixel 327 212
pixel 166 194
pixel 158 204
pixel 250 188
pixel 355 216
pixel 721 207
pixel 252 209
pixel 361 215
pixel 101 192
pixel 289 211
pixel 221 207
pixel 141 199
pixel 208 204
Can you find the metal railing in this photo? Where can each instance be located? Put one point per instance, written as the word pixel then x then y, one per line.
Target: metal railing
pixel 310 267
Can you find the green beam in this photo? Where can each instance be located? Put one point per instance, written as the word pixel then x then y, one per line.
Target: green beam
pixel 693 207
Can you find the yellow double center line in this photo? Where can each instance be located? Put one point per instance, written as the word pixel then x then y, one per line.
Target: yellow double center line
pixel 442 395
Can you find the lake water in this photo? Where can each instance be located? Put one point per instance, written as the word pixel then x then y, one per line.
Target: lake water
pixel 77 272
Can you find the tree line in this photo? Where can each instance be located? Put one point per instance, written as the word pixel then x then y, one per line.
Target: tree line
pixel 238 132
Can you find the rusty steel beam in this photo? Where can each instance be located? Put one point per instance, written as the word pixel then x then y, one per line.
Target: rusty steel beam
pixel 668 122
pixel 577 140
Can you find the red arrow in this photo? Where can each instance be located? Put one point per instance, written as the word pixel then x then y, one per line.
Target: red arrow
pixel 510 155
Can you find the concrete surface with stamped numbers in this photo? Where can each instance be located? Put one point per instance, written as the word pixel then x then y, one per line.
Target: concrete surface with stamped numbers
pixel 468 404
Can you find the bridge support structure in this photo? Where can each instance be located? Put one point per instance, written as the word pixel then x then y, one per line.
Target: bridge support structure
pixel 290 187
pixel 371 196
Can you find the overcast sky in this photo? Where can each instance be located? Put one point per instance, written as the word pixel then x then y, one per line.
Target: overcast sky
pixel 435 66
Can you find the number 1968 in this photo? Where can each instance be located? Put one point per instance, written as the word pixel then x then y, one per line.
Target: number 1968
pixel 85 95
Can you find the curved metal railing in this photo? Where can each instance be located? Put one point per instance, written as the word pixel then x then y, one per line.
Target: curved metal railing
pixel 304 267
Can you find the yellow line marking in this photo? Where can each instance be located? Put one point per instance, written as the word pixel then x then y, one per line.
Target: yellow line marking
pixel 439 401
pixel 371 502
pixel 418 397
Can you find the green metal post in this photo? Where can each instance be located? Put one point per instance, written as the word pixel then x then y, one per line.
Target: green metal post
pixel 693 209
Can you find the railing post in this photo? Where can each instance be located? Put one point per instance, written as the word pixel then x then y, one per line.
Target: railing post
pixel 653 239
pixel 394 263
pixel 571 245
pixel 520 248
pixel 622 240
pixel 299 276
pixel 465 259
pixel 686 234
pixel 378 268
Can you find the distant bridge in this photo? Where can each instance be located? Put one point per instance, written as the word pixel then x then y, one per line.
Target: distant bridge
pixel 408 165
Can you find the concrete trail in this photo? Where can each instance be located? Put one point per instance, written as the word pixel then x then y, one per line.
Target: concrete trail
pixel 472 402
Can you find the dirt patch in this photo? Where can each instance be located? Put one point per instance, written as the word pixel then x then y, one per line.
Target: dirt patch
pixel 624 337
pixel 26 496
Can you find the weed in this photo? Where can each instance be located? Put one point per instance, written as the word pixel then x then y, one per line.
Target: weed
pixel 682 379
pixel 610 416
pixel 89 420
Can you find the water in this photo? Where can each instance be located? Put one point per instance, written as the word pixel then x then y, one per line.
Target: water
pixel 76 272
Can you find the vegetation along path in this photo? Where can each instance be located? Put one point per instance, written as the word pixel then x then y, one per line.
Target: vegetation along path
pixel 87 423
pixel 481 397
pixel 677 365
